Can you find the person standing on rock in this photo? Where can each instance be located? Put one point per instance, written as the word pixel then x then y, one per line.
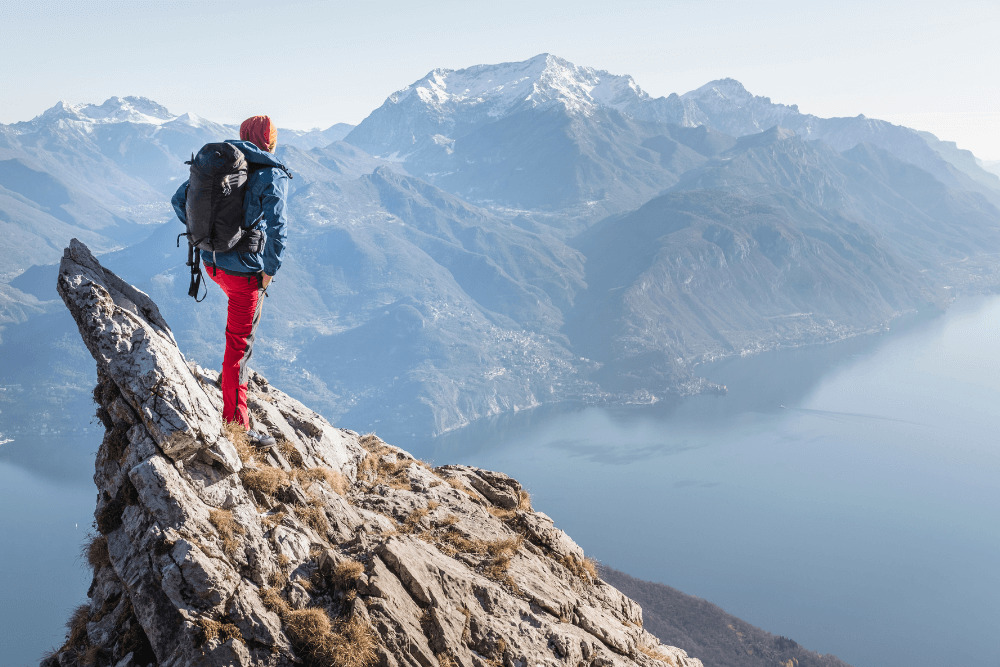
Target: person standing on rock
pixel 244 276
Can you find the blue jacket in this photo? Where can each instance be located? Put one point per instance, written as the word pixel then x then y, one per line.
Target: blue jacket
pixel 263 209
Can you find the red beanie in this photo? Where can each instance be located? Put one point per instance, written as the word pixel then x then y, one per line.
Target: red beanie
pixel 260 131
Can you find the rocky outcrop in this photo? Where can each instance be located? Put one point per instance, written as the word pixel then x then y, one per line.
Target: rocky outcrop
pixel 329 549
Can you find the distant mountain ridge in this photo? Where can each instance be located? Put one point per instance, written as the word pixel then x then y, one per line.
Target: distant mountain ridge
pixel 471 121
pixel 504 236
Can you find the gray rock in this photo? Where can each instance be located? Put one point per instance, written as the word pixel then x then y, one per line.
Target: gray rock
pixel 213 560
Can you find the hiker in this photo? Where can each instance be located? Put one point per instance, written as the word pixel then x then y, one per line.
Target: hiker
pixel 245 272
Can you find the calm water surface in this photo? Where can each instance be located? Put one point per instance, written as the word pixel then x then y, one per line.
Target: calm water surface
pixel 845 497
pixel 44 521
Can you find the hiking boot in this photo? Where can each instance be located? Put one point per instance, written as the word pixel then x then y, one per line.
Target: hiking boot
pixel 260 440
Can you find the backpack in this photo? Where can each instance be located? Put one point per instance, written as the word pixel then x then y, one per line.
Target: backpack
pixel 214 207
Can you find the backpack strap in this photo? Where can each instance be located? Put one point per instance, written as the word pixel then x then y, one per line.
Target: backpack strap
pixel 195 286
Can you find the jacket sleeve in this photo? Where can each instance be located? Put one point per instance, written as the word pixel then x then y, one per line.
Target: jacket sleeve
pixel 179 202
pixel 272 202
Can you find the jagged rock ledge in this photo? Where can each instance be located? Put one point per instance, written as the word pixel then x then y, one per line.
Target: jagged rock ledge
pixel 331 549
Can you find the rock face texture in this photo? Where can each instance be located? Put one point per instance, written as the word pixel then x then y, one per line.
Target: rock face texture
pixel 329 549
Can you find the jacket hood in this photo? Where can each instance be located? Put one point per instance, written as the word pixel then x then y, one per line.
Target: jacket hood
pixel 255 155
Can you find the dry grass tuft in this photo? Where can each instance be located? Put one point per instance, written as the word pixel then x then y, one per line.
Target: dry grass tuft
pixel 504 548
pixel 501 552
pixel 355 644
pixel 318 640
pixel 458 484
pixel 228 529
pixel 370 441
pixel 385 466
pixel 344 575
pixel 277 579
pixel 273 601
pixel 585 568
pixel 655 653
pixel 96 551
pixel 237 435
pixel 335 480
pixel 290 453
pixel 212 629
pixel 307 627
pixel 501 513
pixel 524 503
pixel 266 480
pixel 412 522
pixel 497 553
pixel 77 625
pixel 314 516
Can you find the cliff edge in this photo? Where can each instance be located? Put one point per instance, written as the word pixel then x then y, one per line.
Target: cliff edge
pixel 329 549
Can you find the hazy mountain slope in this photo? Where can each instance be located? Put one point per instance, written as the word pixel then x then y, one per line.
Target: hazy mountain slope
pixel 314 138
pixel 545 133
pixel 99 172
pixel 930 223
pixel 703 629
pixel 396 298
pixel 778 242
pixel 728 107
pixel 701 275
pixel 38 212
pixel 437 282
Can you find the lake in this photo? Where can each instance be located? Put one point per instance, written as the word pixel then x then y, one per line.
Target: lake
pixel 846 496
pixel 843 496
pixel 44 522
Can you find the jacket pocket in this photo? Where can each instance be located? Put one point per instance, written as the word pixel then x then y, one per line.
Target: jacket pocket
pixel 252 242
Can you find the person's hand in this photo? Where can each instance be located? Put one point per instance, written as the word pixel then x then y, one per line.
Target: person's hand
pixel 266 280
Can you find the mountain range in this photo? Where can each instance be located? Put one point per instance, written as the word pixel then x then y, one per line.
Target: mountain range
pixel 504 236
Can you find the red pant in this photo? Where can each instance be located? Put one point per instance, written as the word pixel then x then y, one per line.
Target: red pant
pixel 246 295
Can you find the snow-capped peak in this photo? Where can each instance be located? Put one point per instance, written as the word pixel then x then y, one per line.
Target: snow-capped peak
pixel 731 93
pixel 193 120
pixel 540 81
pixel 112 110
pixel 729 89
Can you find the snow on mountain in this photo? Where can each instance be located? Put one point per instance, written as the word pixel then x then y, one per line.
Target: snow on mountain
pixel 538 82
pixel 113 110
pixel 192 119
pixel 728 107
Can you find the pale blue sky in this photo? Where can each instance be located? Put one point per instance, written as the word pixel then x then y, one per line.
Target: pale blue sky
pixel 931 65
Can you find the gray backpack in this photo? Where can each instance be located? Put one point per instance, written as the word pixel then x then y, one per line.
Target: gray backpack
pixel 214 207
